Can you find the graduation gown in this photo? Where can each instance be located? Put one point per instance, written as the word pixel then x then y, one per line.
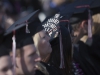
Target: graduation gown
pixel 95 53
pixel 47 69
pixel 83 57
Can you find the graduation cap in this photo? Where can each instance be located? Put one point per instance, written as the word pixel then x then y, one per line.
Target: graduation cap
pixel 82 6
pixel 66 13
pixel 20 33
pixel 82 12
pixel 95 7
pixel 75 7
pixel 22 22
pixel 3 51
pixel 51 25
pixel 70 9
pixel 96 3
pixel 23 29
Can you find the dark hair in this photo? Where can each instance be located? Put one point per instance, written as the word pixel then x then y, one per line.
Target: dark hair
pixel 67 51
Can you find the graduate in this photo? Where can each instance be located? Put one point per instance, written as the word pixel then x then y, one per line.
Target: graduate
pixel 82 34
pixel 64 60
pixel 24 53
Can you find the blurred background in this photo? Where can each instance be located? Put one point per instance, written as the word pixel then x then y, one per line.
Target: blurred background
pixel 12 10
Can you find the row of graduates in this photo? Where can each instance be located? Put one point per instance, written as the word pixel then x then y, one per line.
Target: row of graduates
pixel 31 52
pixel 72 52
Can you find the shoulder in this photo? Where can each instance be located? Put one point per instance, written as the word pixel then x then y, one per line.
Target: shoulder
pixel 48 69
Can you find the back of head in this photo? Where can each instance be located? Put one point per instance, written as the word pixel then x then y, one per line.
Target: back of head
pixel 96 24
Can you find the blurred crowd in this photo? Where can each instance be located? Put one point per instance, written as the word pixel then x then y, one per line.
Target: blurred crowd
pixel 11 10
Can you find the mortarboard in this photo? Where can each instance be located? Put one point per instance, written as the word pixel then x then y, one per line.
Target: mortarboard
pixel 66 13
pixel 51 25
pixel 23 38
pixel 72 8
pixel 96 3
pixel 80 10
pixel 95 7
pixel 22 22
pixel 75 7
pixel 82 6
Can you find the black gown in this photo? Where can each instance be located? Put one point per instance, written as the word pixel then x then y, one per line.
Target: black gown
pixel 47 69
pixel 83 57
pixel 95 53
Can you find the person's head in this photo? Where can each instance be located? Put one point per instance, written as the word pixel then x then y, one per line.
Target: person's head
pixel 41 40
pixel 80 27
pixel 26 60
pixel 5 62
pixel 96 24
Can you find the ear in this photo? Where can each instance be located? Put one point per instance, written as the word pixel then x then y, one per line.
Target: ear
pixel 18 60
pixel 83 24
